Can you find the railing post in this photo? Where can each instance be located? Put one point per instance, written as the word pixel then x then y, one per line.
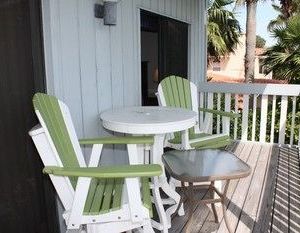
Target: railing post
pixel 263 118
pixel 245 118
pixel 273 119
pixel 254 117
pixel 283 115
pixel 226 120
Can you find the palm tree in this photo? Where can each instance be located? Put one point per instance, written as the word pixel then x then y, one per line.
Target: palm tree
pixel 251 6
pixel 223 30
pixel 283 59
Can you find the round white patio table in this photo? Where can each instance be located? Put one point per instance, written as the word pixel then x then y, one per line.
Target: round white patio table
pixel 156 121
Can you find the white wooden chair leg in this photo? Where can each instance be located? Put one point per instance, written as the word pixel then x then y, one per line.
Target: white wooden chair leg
pixel 78 231
pixel 148 227
pixel 147 154
pixel 174 183
pixel 159 206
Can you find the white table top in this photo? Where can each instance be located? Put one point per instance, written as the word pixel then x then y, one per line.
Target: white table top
pixel 148 120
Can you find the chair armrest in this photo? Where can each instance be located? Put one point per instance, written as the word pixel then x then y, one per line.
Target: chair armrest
pixel 118 140
pixel 122 171
pixel 221 113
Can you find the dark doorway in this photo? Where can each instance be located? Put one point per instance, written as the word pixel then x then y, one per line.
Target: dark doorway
pixel 164 52
pixel 27 200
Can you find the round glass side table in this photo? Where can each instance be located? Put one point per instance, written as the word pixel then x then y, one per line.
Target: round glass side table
pixel 205 166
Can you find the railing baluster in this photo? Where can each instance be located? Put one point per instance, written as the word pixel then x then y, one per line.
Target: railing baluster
pixel 273 119
pixel 226 120
pixel 236 103
pixel 209 116
pixel 293 121
pixel 245 117
pixel 282 122
pixel 299 137
pixel 201 104
pixel 218 108
pixel 254 117
pixel 263 118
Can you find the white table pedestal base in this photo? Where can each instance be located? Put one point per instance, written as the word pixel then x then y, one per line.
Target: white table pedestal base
pixel 161 182
pixel 157 121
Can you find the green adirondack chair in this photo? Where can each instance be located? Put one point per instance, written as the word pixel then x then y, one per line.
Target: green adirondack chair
pixel 174 91
pixel 104 198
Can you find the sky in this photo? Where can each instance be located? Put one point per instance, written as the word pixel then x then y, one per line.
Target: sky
pixel 265 13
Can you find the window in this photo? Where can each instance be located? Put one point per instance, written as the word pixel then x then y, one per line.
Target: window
pixel 261 68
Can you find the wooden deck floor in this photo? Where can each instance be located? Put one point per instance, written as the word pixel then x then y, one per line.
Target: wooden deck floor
pixel 266 201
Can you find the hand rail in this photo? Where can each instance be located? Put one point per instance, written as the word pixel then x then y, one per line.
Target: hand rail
pixel 251 88
pixel 269 112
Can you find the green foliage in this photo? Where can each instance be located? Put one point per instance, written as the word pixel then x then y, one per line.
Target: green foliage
pixel 283 59
pixel 258 119
pixel 223 29
pixel 269 124
pixel 260 42
pixel 280 20
pixel 286 10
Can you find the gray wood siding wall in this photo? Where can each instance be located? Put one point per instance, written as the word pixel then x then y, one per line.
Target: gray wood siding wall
pixel 93 67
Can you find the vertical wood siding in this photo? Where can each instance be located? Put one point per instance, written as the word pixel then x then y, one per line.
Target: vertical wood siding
pixel 93 67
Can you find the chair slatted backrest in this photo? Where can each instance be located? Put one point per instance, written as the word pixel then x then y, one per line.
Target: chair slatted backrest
pixel 177 93
pixel 50 110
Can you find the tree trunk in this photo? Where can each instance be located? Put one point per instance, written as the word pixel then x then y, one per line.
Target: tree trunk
pixel 250 40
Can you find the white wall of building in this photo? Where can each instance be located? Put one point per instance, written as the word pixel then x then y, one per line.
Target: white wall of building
pixel 93 67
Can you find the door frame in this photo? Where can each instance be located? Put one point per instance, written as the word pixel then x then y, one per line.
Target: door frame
pixel 39 70
pixel 139 55
pixel 36 23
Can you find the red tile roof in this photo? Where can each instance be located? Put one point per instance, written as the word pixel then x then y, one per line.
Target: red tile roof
pixel 221 79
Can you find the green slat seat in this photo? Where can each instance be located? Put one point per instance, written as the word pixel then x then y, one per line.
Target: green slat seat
pixel 213 143
pixel 146 195
pixel 105 195
pixel 177 140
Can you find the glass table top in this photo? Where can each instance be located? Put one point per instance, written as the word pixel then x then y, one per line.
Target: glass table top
pixel 204 165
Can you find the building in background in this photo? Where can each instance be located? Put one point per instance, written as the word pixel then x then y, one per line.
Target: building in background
pixel 231 68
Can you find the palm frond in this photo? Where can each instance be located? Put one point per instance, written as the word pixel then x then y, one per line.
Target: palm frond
pixel 223 29
pixel 283 59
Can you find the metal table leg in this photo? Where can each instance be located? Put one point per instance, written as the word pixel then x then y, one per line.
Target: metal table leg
pixel 223 198
pixel 213 206
pixel 188 195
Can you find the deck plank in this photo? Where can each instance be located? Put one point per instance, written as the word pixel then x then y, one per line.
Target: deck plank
pixel 264 213
pixel 295 188
pixel 280 222
pixel 179 222
pixel 238 198
pixel 248 217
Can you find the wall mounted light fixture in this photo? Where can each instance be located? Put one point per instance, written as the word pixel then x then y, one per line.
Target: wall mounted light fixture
pixel 107 11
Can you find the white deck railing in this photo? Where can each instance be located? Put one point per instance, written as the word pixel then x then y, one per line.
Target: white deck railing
pixel 269 112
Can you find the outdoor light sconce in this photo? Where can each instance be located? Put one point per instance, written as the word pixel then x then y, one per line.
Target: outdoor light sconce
pixel 107 11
